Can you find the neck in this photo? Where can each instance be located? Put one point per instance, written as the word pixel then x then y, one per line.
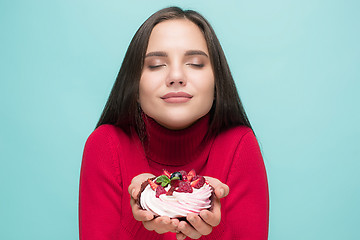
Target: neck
pixel 176 147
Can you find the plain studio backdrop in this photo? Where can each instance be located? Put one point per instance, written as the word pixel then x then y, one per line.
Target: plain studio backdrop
pixel 296 66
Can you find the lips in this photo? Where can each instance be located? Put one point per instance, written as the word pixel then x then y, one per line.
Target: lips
pixel 177 97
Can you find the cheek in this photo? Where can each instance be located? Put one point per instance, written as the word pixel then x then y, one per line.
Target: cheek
pixel 209 87
pixel 147 94
pixel 143 91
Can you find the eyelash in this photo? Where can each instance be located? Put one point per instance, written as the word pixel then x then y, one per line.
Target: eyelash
pixel 155 66
pixel 196 65
pixel 152 67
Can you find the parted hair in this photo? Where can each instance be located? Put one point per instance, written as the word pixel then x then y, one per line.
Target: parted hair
pixel 122 108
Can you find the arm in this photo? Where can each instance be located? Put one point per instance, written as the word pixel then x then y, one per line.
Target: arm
pixel 245 211
pixel 100 190
pixel 247 206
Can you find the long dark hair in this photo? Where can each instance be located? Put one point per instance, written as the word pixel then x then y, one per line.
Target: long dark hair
pixel 122 108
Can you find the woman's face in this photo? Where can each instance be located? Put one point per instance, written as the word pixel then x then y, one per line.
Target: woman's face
pixel 177 82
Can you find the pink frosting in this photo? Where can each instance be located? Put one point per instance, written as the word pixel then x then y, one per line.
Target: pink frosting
pixel 177 205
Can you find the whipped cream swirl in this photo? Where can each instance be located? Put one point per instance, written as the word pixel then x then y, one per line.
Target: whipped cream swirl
pixel 177 205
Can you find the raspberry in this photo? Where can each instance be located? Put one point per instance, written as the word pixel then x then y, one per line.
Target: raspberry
pixel 175 183
pixel 198 182
pixel 184 187
pixel 183 174
pixel 160 190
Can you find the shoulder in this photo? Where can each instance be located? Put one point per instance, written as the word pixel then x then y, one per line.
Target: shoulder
pixel 245 146
pixel 235 135
pixel 232 146
pixel 233 139
pixel 107 138
pixel 106 133
pixel 237 140
pixel 100 156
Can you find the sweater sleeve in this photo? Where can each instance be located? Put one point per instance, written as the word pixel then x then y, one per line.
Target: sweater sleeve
pixel 100 189
pixel 247 205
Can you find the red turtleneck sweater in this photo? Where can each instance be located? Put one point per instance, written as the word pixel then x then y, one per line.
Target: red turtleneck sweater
pixel 112 158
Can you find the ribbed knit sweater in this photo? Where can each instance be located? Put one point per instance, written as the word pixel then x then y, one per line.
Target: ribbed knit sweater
pixel 112 158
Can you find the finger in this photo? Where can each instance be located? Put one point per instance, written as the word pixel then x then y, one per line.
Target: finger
pixel 167 225
pixel 160 225
pixel 132 186
pixel 149 225
pixel 180 236
pixel 212 217
pixel 188 230
pixel 198 224
pixel 133 191
pixel 152 224
pixel 221 189
pixel 175 223
pixel 140 214
pixel 136 182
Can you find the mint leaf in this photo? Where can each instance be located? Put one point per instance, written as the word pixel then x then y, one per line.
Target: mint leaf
pixel 175 178
pixel 164 180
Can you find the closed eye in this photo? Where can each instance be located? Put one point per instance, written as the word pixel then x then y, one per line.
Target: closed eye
pixel 196 65
pixel 156 66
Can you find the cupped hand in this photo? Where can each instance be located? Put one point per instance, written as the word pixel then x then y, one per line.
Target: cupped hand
pixel 203 224
pixel 159 224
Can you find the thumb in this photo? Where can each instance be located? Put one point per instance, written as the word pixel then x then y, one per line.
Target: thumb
pixel 221 189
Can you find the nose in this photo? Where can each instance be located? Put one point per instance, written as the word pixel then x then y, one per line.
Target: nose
pixel 176 76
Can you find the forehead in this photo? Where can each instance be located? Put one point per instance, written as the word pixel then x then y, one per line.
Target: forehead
pixel 178 34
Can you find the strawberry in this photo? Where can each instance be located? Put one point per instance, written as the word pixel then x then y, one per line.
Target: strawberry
pixel 199 182
pixel 166 173
pixel 191 174
pixel 195 178
pixel 184 187
pixel 160 190
pixel 152 184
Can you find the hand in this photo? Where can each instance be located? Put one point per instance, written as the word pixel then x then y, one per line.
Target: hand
pixel 204 224
pixel 160 224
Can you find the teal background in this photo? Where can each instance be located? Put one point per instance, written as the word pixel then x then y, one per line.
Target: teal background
pixel 296 65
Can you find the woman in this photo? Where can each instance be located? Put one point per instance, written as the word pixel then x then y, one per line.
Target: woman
pixel 174 105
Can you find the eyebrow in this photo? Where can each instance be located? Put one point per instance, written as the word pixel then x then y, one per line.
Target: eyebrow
pixel 195 52
pixel 187 53
pixel 156 54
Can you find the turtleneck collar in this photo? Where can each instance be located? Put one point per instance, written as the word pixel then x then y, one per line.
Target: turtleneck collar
pixel 177 147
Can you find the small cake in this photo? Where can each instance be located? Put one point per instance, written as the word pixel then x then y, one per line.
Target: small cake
pixel 176 194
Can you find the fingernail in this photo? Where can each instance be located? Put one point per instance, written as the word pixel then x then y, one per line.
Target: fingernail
pixel 192 219
pixel 204 215
pixel 222 192
pixel 132 192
